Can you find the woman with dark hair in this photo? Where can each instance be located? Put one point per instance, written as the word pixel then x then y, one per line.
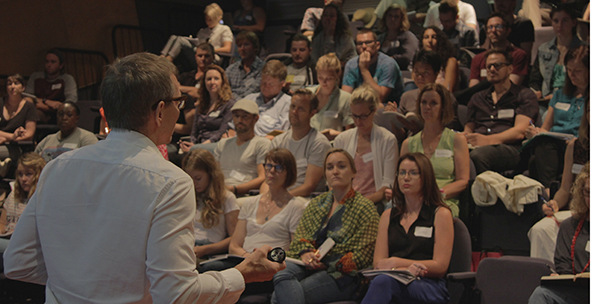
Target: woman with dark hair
pixel 435 40
pixel 350 221
pixel 332 35
pixel 446 149
pixel 417 234
pixel 396 39
pixel 213 112
pixel 548 72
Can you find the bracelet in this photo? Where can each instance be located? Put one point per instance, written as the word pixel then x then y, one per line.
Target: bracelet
pixel 235 190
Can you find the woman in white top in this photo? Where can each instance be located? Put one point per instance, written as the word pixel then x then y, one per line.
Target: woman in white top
pixel 374 149
pixel 216 208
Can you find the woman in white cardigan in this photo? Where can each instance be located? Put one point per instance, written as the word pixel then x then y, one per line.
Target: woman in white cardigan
pixel 374 149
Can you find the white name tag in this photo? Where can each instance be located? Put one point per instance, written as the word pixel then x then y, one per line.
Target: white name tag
pixel 425 232
pixel 441 153
pixel 587 246
pixel 70 146
pixel 214 114
pixel 332 114
pixel 562 106
pixel 56 86
pixel 368 157
pixel 506 113
pixel 576 168
pixel 302 163
pixel 299 79
pixel 237 175
pixel 483 73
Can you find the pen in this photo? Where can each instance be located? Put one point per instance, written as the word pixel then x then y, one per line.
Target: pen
pixel 311 259
pixel 547 204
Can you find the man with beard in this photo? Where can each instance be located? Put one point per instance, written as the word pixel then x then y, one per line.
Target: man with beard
pixel 301 68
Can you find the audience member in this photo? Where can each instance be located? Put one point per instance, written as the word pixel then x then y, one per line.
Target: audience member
pixel 301 69
pixel 333 35
pixel 312 16
pixel 29 167
pixel 522 34
pixel 218 35
pixel 459 34
pixel 190 81
pixel 425 251
pixel 497 30
pixel 308 145
pixel 373 148
pixel 572 255
pixel 548 72
pixel 396 40
pixel 51 87
pixel 244 75
pixel 241 158
pixel 499 116
pixel 346 217
pixel 435 40
pixel 446 149
pixel 373 68
pixel 250 18
pixel 155 262
pixel 19 117
pixel 420 7
pixel 383 5
pixel 216 207
pixel 69 137
pixel 333 111
pixel 213 111
pixel 273 103
pixel 466 13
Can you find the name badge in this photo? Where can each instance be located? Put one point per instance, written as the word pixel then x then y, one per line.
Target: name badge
pixel 576 168
pixel 70 146
pixel 289 78
pixel 299 79
pixel 248 82
pixel 368 157
pixel 332 114
pixel 483 73
pixel 587 246
pixel 214 114
pixel 442 153
pixel 56 86
pixel 562 106
pixel 302 163
pixel 248 17
pixel 425 232
pixel 506 113
pixel 237 175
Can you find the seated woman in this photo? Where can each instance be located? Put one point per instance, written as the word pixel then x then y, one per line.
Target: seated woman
pixel 416 234
pixel 395 38
pixel 213 112
pixel 446 149
pixel 218 35
pixel 435 40
pixel 333 113
pixel 548 72
pixel 29 167
pixel 563 116
pixel 216 208
pixel 572 255
pixel 374 149
pixel 343 215
pixel 249 18
pixel 333 36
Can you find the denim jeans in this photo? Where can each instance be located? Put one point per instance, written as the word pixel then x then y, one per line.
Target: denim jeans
pixel 384 289
pixel 296 285
pixel 560 295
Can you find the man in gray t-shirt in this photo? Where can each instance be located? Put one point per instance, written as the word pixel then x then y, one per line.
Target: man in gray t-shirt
pixel 308 145
pixel 241 157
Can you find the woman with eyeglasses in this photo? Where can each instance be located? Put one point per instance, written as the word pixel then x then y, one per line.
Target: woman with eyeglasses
pixel 213 111
pixel 332 35
pixel 416 234
pixel 373 148
pixel 346 217
pixel 434 39
pixel 395 38
pixel 333 112
pixel 446 149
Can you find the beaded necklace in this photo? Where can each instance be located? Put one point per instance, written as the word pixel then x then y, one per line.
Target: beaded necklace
pixel 579 226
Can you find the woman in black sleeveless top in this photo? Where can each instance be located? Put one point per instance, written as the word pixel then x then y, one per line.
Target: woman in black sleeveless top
pixel 416 234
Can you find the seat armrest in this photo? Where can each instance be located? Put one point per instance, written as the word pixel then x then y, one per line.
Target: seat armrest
pixel 460 276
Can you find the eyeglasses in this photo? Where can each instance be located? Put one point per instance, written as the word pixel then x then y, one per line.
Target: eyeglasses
pixel 361 117
pixel 498 27
pixel 278 168
pixel 496 65
pixel 424 74
pixel 411 173
pixel 367 43
pixel 179 102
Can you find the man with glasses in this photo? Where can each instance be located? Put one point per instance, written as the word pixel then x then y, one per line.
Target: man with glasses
pixel 112 222
pixel 244 75
pixel 308 145
pixel 376 69
pixel 522 33
pixel 241 157
pixel 498 116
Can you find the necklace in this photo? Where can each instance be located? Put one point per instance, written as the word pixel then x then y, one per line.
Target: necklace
pixel 267 208
pixel 429 149
pixel 579 226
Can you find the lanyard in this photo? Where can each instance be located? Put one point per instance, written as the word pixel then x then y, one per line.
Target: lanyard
pixel 579 226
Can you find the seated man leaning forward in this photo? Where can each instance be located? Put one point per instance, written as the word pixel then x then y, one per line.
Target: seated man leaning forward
pixel 69 137
pixel 244 75
pixel 499 116
pixel 308 145
pixel 154 261
pixel 300 68
pixel 372 67
pixel 241 158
